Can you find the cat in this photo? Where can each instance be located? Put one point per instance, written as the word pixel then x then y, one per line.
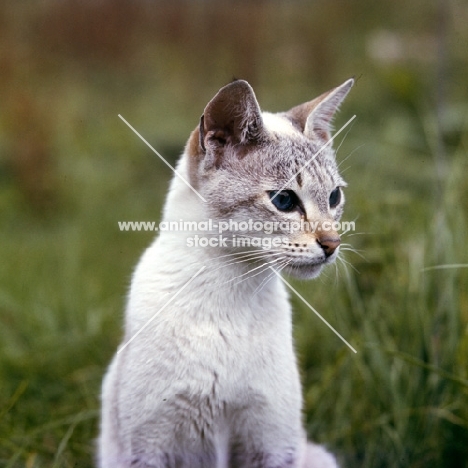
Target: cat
pixel 212 381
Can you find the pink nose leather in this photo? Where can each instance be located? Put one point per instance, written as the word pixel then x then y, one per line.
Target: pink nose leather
pixel 329 244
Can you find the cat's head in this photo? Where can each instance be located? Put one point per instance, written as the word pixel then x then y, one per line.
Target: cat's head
pixel 275 169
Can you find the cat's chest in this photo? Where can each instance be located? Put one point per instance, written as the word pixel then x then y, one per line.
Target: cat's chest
pixel 224 365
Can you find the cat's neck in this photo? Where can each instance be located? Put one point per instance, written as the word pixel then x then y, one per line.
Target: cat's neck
pixel 222 265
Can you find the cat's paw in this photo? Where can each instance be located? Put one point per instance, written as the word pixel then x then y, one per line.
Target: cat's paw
pixel 315 456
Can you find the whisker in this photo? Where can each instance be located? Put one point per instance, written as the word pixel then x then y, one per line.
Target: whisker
pixel 247 257
pixel 344 233
pixel 235 253
pixel 350 154
pixel 344 138
pixel 263 271
pixel 350 248
pixel 345 169
pixel 253 257
pixel 346 264
pixel 357 233
pixel 266 280
pixel 265 265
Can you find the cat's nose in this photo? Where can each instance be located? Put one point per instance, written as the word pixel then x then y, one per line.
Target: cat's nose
pixel 329 244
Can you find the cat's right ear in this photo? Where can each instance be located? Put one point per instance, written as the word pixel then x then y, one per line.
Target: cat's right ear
pixel 231 119
pixel 314 118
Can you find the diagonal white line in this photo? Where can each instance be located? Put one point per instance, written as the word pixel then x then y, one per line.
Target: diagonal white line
pixel 161 309
pixel 312 309
pixel 162 159
pixel 314 156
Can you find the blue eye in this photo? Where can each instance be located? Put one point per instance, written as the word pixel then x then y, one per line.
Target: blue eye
pixel 335 197
pixel 284 200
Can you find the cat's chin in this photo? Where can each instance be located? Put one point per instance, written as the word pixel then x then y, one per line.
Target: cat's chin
pixel 304 271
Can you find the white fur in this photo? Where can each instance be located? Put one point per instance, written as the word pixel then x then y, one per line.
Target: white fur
pixel 275 123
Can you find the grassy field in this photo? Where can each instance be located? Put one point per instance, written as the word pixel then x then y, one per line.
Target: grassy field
pixel 70 169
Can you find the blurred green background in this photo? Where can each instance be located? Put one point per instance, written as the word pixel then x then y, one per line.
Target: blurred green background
pixel 70 169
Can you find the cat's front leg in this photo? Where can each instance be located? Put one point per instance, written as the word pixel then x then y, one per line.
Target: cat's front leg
pixel 250 457
pixel 263 436
pixel 315 456
pixel 269 440
pixel 310 456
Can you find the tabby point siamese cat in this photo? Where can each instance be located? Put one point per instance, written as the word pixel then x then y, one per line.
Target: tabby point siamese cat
pixel 212 381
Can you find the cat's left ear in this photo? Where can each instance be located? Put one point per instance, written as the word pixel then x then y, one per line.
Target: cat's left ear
pixel 232 118
pixel 315 117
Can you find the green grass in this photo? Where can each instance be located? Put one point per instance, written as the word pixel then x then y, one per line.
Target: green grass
pixel 401 401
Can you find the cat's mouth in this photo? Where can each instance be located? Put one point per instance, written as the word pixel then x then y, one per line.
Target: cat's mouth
pixel 307 268
pixel 304 270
